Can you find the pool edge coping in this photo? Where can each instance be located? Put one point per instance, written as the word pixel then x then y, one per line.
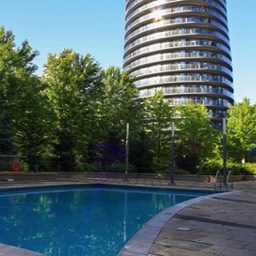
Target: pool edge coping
pixel 141 242
pixel 10 250
pixel 7 188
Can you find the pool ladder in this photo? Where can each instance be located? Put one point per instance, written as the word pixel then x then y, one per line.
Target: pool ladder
pixel 218 182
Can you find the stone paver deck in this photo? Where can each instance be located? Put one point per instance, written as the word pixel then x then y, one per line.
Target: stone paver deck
pixel 6 250
pixel 217 225
pixel 222 225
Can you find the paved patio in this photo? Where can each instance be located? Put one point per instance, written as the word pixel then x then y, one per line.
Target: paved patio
pixel 217 225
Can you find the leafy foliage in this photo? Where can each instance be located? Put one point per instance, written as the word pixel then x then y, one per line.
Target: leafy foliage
pixel 210 167
pixel 73 85
pixel 119 103
pixel 158 116
pixel 241 131
pixel 141 155
pixel 117 106
pixel 18 98
pixel 34 126
pixel 76 114
pixel 195 136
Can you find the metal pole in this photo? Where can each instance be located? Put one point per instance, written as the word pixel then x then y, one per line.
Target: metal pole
pixel 224 154
pixel 126 152
pixel 172 156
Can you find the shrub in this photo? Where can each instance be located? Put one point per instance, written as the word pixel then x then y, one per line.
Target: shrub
pixel 24 167
pixel 85 167
pixel 249 168
pixel 160 167
pixel 210 167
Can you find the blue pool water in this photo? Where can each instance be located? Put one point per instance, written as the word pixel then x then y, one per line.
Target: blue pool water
pixel 80 221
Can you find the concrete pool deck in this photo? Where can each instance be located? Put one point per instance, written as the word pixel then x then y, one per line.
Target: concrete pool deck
pixel 222 224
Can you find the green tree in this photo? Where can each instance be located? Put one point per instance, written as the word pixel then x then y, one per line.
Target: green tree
pixel 18 97
pixel 158 116
pixel 8 59
pixel 73 85
pixel 34 128
pixel 119 104
pixel 195 137
pixel 241 131
pixel 141 155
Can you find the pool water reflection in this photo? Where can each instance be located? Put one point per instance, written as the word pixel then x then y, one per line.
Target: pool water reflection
pixel 88 220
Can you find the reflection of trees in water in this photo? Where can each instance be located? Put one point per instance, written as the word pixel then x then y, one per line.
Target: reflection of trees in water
pixel 44 221
pixel 77 223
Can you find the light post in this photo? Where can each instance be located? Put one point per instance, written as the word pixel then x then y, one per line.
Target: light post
pixel 126 152
pixel 224 153
pixel 172 165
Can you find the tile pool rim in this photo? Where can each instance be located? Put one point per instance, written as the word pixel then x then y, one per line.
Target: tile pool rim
pixel 146 235
pixel 20 187
pixel 150 230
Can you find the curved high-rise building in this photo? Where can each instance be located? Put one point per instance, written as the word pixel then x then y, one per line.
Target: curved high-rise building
pixel 182 48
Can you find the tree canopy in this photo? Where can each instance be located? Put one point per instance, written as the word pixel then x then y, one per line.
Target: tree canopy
pixel 241 130
pixel 195 136
pixel 73 85
pixel 16 84
pixel 74 116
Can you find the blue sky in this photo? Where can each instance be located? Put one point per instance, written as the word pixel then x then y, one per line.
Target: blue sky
pixel 97 27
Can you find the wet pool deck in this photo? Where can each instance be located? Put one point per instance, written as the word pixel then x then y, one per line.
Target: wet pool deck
pixel 222 224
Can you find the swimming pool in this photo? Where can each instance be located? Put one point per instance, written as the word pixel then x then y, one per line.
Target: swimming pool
pixel 86 220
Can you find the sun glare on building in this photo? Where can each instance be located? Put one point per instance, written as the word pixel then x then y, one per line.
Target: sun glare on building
pixel 157 14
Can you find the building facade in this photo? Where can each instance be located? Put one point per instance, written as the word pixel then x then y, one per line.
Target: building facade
pixel 182 48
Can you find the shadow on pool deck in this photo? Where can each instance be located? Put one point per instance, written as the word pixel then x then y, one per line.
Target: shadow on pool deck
pixel 222 224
